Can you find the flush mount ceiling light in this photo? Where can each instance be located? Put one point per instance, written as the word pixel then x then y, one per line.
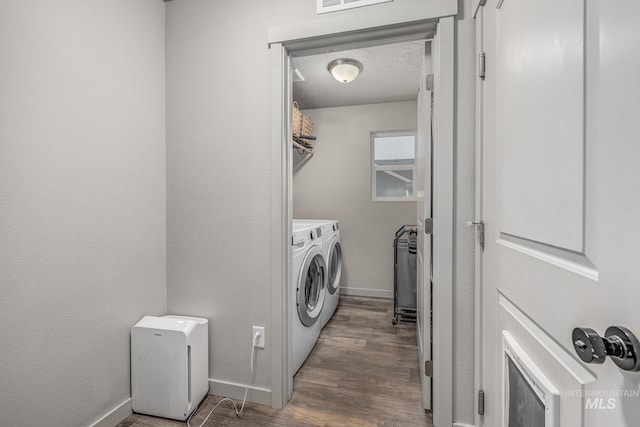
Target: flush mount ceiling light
pixel 345 70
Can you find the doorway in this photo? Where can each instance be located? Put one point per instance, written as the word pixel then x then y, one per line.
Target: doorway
pixel 335 182
pixel 361 169
pixel 282 54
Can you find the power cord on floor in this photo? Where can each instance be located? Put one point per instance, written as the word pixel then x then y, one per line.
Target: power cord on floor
pixel 239 412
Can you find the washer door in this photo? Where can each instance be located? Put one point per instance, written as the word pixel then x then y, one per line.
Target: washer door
pixel 311 289
pixel 335 265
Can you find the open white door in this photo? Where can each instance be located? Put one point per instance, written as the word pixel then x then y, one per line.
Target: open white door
pixel 561 202
pixel 423 193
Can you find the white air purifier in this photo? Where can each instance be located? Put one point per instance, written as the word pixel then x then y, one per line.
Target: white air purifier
pixel 169 365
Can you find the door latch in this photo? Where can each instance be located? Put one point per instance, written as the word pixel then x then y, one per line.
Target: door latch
pixel 480 228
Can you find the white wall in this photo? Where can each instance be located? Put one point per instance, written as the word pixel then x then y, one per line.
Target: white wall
pixel 336 184
pixel 82 229
pixel 218 176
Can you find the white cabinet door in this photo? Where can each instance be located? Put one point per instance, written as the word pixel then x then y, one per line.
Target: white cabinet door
pixel 561 202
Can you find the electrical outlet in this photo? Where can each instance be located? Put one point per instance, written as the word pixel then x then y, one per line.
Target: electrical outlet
pixel 260 341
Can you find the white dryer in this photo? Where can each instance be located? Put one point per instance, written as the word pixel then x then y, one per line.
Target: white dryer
pixel 332 250
pixel 308 291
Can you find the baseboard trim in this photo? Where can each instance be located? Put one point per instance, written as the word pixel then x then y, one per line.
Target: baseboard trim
pixel 363 292
pixel 463 425
pixel 115 416
pixel 236 391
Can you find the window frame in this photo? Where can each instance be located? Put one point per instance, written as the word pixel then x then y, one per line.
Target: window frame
pixel 374 168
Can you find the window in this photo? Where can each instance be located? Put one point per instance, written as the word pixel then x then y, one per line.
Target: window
pixel 393 166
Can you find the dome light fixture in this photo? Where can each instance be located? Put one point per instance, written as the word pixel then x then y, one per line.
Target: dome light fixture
pixel 344 70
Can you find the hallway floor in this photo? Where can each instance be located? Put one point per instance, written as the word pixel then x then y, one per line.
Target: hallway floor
pixel 363 371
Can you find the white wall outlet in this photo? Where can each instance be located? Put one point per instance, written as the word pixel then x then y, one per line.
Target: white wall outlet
pixel 260 340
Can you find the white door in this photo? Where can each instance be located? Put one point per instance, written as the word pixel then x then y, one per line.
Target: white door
pixel 561 204
pixel 423 193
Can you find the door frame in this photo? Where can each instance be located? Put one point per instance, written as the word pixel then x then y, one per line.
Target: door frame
pixel 443 54
pixel 283 42
pixel 478 213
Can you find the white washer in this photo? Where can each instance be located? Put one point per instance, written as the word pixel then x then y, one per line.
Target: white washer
pixel 308 291
pixel 332 250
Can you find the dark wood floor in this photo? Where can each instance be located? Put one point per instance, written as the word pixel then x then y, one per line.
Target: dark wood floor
pixel 362 372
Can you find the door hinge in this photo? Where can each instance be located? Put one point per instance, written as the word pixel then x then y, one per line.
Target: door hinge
pixel 428 226
pixel 428 368
pixel 480 402
pixel 482 63
pixel 429 83
pixel 480 227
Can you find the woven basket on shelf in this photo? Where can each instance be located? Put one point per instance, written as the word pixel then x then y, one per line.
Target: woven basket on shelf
pixel 301 124
pixel 307 125
pixel 296 120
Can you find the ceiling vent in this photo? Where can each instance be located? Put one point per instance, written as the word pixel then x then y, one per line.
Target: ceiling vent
pixel 325 6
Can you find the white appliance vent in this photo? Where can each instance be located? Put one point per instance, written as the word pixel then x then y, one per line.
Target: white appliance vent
pixel 325 6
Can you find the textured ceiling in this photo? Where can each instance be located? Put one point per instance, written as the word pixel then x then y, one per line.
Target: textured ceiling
pixel 390 73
